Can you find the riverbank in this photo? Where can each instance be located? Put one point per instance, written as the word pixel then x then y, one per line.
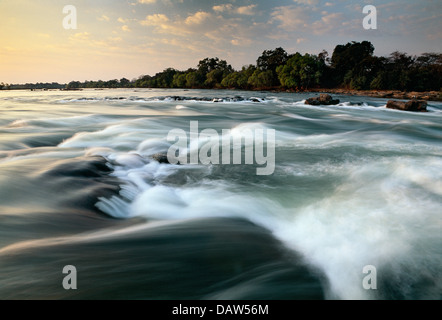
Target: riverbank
pixel 390 94
pixel 387 94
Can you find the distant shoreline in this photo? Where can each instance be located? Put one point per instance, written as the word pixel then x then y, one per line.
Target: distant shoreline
pixel 385 94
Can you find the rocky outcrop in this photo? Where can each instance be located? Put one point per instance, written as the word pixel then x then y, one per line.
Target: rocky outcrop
pixel 323 99
pixel 161 158
pixel 412 105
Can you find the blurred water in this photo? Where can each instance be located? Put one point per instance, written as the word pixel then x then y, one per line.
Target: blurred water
pixel 354 185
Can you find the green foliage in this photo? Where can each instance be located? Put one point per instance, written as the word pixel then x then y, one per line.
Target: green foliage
pixel 239 79
pixel 143 81
pixel 354 57
pixel 301 71
pixel 124 83
pixel 352 65
pixel 212 71
pixel 73 85
pixel 379 82
pixel 270 60
pixel 194 80
pixel 261 79
pixel 428 72
pixel 231 80
pixel 214 78
pixel 179 80
pixel 244 75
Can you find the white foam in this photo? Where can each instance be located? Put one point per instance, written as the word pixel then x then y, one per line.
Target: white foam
pixel 123 135
pixel 374 217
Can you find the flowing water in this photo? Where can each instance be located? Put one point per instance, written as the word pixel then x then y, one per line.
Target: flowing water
pixel 354 185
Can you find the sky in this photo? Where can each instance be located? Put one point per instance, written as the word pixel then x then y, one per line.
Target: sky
pixel 129 38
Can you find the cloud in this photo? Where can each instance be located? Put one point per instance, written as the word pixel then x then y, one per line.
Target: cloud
pixel 328 23
pixel 121 20
pixel 234 32
pixel 228 7
pixel 290 18
pixel 243 42
pixel 157 19
pixel 115 39
pixel 147 1
pixel 301 20
pixel 125 28
pixel 246 10
pixel 103 18
pixel 183 45
pixel 307 2
pixel 223 7
pixel 163 24
pixel 197 18
pixel 81 36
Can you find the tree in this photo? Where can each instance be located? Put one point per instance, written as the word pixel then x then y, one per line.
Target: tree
pixel 239 79
pixel 124 83
pixel 244 75
pixel 231 80
pixel 428 72
pixel 209 64
pixel 73 85
pixel 352 59
pixel 270 60
pixel 164 79
pixel 399 66
pixel 301 72
pixel 143 81
pixel 261 79
pixel 212 71
pixel 214 78
pixel 179 80
pixel 112 83
pixel 194 80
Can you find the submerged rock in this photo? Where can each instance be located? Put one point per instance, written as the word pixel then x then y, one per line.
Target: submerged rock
pixel 161 158
pixel 323 99
pixel 412 105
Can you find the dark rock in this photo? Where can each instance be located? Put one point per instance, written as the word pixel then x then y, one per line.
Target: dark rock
pixel 81 167
pixel 161 158
pixel 323 99
pixel 412 105
pixel 313 101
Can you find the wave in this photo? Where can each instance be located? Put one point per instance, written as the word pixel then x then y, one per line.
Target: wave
pixel 367 217
pixel 353 185
pixel 57 121
pixel 137 99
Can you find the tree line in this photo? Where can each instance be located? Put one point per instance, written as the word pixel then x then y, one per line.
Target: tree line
pixel 351 66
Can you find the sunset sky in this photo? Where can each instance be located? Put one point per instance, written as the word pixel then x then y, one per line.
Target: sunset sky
pixel 129 38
